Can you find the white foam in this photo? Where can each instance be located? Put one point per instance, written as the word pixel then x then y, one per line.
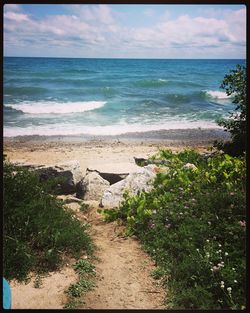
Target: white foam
pixel 117 129
pixel 217 94
pixel 48 107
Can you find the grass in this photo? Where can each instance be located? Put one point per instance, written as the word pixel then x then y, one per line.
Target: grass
pixel 84 207
pixel 84 267
pixel 38 230
pixel 85 271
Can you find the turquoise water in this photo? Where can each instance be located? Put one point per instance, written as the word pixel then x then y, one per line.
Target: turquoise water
pixel 63 96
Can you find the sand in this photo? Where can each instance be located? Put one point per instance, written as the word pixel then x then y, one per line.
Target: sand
pixel 123 280
pixel 107 154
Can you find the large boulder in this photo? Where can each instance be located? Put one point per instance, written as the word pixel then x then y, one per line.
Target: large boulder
pixel 70 172
pixel 135 182
pixel 91 187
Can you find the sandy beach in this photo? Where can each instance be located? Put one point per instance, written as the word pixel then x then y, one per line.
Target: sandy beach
pixel 107 153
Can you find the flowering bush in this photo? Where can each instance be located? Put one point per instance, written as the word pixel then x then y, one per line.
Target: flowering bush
pixel 193 225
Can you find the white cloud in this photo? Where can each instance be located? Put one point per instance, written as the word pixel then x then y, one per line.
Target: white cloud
pixel 17 17
pixel 97 29
pixel 12 8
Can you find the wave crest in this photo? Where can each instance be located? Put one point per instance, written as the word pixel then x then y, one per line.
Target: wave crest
pixel 217 94
pixel 108 130
pixel 48 107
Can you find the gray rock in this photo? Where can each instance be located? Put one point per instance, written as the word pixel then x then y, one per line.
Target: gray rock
pixel 69 198
pixel 112 178
pixel 133 183
pixel 70 171
pixel 92 187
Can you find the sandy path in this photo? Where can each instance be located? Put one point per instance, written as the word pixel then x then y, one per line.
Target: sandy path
pixel 123 269
pixel 123 278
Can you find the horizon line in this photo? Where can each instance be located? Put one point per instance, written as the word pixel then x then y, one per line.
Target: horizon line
pixel 121 58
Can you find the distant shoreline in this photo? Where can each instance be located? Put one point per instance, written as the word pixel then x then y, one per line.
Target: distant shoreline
pixel 198 135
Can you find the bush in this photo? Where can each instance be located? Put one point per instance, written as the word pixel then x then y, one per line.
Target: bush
pixel 38 230
pixel 193 225
pixel 234 84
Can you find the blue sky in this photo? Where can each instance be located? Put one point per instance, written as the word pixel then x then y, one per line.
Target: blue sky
pixel 125 31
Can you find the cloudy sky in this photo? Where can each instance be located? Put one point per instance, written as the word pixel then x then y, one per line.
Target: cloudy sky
pixel 125 31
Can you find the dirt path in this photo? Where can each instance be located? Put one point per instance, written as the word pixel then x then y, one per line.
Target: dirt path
pixel 123 275
pixel 123 269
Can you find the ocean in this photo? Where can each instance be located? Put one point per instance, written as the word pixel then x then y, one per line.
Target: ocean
pixel 71 96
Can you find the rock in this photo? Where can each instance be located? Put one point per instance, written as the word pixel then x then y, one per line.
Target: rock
pixel 189 166
pixel 69 198
pixel 92 187
pixel 75 207
pixel 69 170
pixel 112 178
pixel 135 182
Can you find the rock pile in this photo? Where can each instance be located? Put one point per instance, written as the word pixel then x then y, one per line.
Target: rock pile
pixel 106 188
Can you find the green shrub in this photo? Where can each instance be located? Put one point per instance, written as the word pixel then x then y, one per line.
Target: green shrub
pixel 84 267
pixel 83 285
pixel 37 228
pixel 234 84
pixel 193 224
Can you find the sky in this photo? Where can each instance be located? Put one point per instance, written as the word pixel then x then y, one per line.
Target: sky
pixel 125 31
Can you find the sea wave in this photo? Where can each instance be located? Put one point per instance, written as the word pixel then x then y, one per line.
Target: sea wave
pixel 217 94
pixel 48 107
pixel 146 83
pixel 118 129
pixel 196 96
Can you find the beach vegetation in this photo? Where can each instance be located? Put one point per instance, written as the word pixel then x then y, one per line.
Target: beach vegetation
pixel 85 283
pixel 38 230
pixel 84 207
pixel 193 224
pixel 234 84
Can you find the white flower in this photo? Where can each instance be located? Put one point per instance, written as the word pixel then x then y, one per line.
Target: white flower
pixel 229 289
pixel 235 281
pixel 219 245
pixel 197 250
pixel 222 282
pixel 233 268
pixel 226 253
pixel 207 240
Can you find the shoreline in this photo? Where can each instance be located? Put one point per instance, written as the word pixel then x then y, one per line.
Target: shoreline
pixel 189 135
pixel 113 154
